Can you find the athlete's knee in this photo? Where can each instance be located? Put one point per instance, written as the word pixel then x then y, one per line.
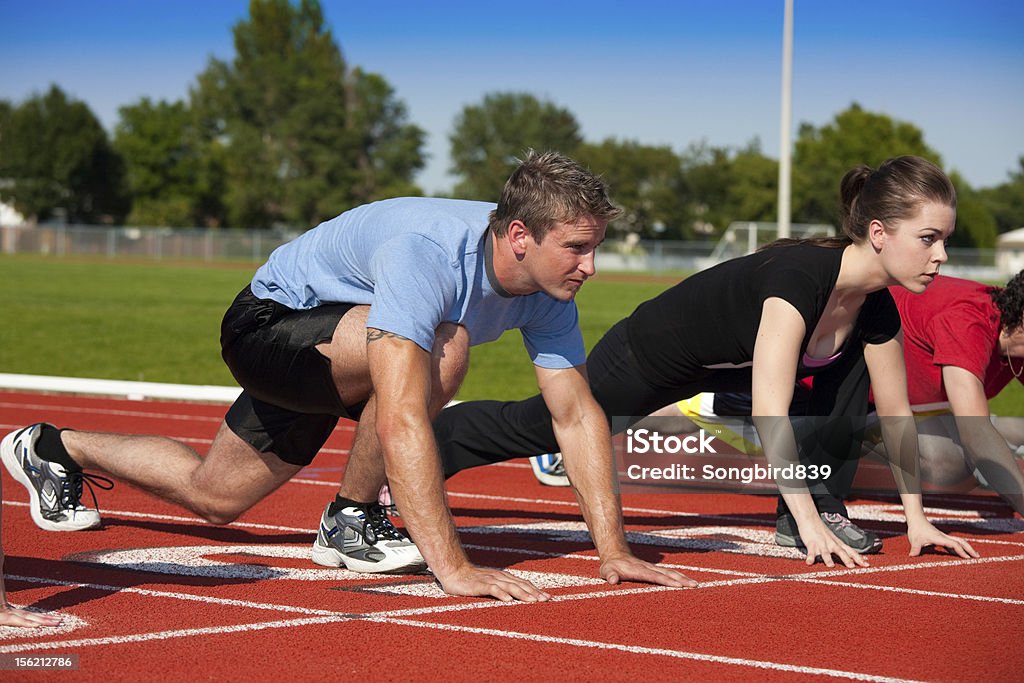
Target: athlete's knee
pixel 942 460
pixel 218 510
pixel 215 504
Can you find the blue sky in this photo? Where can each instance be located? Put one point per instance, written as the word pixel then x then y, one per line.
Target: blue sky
pixel 667 72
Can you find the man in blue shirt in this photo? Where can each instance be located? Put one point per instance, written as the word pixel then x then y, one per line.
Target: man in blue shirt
pixel 370 316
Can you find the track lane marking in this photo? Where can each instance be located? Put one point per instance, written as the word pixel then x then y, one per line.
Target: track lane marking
pixel 913 591
pixel 188 597
pixel 398 617
pixel 395 620
pixel 637 649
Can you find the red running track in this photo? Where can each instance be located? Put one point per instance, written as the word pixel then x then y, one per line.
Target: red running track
pixel 158 593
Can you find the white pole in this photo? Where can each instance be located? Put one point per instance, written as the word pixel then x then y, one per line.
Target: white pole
pixel 785 153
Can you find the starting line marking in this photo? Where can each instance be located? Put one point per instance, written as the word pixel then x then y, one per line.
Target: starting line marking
pixel 514 635
pixel 399 617
pixel 638 649
pixel 914 591
pixel 394 619
pixel 198 561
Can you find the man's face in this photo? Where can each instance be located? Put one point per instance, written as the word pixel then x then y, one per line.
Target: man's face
pixel 562 262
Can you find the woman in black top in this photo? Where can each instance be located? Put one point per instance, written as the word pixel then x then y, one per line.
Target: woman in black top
pixel 758 323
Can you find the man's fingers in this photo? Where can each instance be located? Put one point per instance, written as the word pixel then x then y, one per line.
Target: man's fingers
pixel 676 578
pixel 492 582
pixel 635 569
pixel 667 577
pixel 518 588
pixel 501 594
pixel 43 619
pixel 24 618
pixel 963 548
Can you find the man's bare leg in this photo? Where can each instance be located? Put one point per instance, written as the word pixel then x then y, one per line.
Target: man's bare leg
pixel 232 477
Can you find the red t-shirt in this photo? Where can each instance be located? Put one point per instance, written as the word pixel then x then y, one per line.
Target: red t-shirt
pixel 954 322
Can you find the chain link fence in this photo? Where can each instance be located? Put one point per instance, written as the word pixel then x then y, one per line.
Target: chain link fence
pixel 175 244
pixel 216 245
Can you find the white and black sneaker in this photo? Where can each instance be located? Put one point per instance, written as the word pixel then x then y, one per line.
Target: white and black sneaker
pixel 863 541
pixel 363 539
pixel 549 469
pixel 56 493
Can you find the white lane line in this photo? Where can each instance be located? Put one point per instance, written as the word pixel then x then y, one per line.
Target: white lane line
pixel 110 411
pixel 747 579
pixel 513 635
pixel 990 540
pixel 396 617
pixel 327 618
pixel 166 635
pixel 957 562
pixel 913 591
pixel 641 650
pixel 612 592
pixel 594 558
pixel 177 596
pixel 93 410
pixel 190 520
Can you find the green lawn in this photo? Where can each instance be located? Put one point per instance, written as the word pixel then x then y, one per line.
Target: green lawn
pixel 160 322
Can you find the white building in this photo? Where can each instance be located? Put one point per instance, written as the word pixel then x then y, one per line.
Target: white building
pixel 8 216
pixel 1010 253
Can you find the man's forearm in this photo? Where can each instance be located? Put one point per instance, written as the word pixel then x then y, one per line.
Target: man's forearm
pixel 986 449
pixel 417 487
pixel 587 453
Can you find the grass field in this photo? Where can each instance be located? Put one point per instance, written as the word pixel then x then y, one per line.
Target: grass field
pixel 160 322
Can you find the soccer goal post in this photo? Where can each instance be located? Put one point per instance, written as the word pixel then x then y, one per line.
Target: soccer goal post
pixel 744 237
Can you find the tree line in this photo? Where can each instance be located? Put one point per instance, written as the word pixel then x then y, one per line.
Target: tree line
pixel 288 134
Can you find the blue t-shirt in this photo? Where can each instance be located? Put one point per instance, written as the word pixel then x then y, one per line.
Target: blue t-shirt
pixel 418 262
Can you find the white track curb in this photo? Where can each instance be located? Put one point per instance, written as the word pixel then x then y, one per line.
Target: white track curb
pixel 138 391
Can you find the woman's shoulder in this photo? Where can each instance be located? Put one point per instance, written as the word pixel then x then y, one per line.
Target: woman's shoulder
pixel 801 260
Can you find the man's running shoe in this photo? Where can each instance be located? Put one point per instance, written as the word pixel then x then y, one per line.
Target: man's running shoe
pixel 549 469
pixel 861 540
pixel 56 494
pixel 363 539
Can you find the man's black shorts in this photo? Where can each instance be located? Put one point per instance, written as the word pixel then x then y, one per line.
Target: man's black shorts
pixel 289 404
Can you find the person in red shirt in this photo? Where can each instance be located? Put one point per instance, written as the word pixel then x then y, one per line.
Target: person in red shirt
pixel 963 343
